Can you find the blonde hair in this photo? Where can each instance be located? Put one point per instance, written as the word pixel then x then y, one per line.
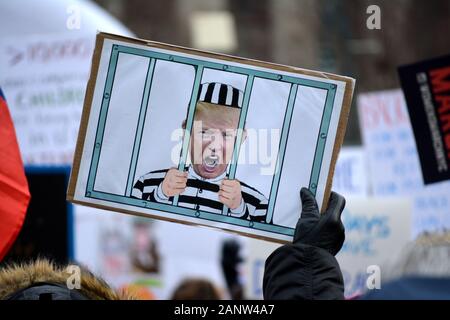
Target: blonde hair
pixel 214 111
pixel 16 277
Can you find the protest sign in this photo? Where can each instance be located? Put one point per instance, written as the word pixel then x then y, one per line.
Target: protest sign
pixel 394 168
pixel 426 86
pixel 350 174
pixel 44 79
pixel 202 138
pixel 376 230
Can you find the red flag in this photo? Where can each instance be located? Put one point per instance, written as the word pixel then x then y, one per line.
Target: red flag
pixel 14 192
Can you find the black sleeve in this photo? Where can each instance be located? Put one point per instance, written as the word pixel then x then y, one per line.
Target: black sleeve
pixel 302 272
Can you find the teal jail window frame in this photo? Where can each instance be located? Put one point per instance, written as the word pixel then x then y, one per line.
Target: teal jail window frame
pixel 199 66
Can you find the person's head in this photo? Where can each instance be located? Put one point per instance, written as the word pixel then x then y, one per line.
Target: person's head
pixel 214 129
pixel 196 289
pixel 43 280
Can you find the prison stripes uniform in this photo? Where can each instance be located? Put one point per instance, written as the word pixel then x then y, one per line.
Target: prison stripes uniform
pixel 202 194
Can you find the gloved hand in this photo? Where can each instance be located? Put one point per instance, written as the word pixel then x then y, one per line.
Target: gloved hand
pixel 325 230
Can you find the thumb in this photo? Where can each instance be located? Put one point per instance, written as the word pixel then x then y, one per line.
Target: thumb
pixel 309 216
pixel 309 204
pixel 336 205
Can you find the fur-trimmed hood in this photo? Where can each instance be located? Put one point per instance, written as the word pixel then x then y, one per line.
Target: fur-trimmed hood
pixel 17 277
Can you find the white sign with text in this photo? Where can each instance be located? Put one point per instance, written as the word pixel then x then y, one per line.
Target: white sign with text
pixel 44 78
pixel 394 166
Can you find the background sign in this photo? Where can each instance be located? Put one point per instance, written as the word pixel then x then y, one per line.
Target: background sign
pixel 350 174
pixel 426 86
pixel 376 230
pixel 394 168
pixel 44 80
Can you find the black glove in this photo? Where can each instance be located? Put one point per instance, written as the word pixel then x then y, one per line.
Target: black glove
pixel 325 230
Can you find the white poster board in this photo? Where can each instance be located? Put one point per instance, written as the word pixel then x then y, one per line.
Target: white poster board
pixel 394 166
pixel 265 131
pixel 376 230
pixel 44 79
pixel 350 174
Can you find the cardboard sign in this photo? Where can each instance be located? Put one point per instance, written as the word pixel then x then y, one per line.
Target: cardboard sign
pixel 202 138
pixel 426 86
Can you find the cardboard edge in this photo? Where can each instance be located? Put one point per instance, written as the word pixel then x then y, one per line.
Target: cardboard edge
pixel 213 55
pixel 88 97
pixel 151 216
pixel 340 134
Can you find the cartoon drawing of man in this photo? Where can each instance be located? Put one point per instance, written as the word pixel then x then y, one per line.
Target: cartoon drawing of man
pixel 205 185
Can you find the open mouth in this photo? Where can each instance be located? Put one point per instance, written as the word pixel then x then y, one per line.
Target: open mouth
pixel 210 162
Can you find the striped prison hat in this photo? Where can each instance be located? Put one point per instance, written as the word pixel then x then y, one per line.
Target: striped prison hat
pixel 222 94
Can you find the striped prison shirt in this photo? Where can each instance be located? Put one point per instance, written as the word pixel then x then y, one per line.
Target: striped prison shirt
pixel 202 194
